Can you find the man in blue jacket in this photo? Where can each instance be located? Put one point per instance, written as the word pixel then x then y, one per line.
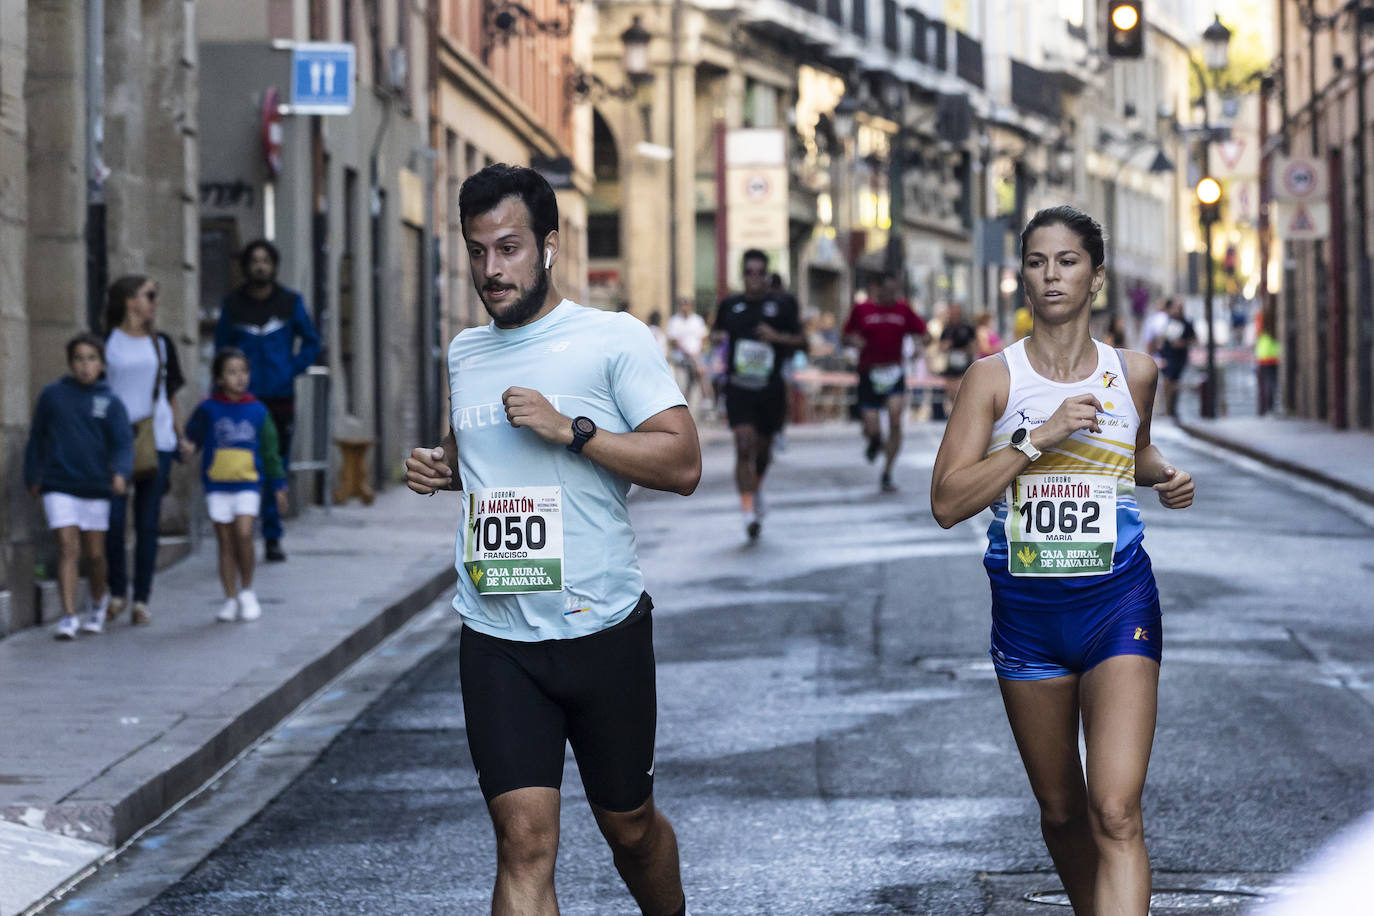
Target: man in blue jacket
pixel 265 319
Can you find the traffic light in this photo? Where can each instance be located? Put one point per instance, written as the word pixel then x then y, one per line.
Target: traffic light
pixel 1125 28
pixel 1208 201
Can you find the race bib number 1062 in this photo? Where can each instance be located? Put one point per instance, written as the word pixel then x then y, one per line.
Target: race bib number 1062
pixel 514 540
pixel 1061 525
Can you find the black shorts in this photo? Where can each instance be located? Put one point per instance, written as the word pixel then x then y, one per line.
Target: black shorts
pixel 525 701
pixel 764 410
pixel 870 398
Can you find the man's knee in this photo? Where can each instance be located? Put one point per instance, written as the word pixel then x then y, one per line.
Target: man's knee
pixel 631 833
pixel 526 842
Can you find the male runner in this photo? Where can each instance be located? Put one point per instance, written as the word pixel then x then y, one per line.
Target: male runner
pixel 556 409
pixel 763 328
pixel 878 327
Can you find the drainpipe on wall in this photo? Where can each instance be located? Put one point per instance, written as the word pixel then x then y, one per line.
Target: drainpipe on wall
pixel 97 262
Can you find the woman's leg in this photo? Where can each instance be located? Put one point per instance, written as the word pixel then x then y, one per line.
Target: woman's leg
pixel 228 559
pixel 1120 698
pixel 1044 720
pixel 147 512
pixel 68 554
pixel 243 540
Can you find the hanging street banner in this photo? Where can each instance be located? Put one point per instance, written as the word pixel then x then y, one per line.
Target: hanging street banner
pixel 756 198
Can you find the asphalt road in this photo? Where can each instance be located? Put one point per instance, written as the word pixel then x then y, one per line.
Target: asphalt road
pixel 831 739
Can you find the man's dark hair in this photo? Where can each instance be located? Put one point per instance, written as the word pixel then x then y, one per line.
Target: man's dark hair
pixel 754 254
pixel 88 339
pixel 483 191
pixel 246 255
pixel 1078 222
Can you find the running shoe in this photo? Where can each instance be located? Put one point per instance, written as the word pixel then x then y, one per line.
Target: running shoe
pixel 875 445
pixel 67 627
pixel 887 485
pixel 230 612
pixel 753 527
pixel 249 609
pixel 141 617
pixel 94 622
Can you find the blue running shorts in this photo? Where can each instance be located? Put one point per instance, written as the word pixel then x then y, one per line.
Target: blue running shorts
pixel 1067 631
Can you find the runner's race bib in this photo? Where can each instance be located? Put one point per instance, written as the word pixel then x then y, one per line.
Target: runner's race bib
pixel 884 378
pixel 753 360
pixel 515 540
pixel 1061 525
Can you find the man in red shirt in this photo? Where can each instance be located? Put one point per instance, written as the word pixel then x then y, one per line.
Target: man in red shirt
pixel 877 327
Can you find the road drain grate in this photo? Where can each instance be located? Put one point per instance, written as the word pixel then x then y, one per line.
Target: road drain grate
pixel 1164 898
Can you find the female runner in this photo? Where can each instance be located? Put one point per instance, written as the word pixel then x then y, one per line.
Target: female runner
pixel 1054 435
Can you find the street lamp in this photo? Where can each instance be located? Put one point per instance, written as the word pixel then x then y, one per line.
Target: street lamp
pixel 583 86
pixel 844 117
pixel 1216 41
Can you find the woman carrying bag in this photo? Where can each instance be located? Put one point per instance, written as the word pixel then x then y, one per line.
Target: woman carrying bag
pixel 143 370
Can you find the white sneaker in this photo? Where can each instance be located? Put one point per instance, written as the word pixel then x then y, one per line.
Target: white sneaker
pixel 67 627
pixel 230 612
pixel 95 616
pixel 249 609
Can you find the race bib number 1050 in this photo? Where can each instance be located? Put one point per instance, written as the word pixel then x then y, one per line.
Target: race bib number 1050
pixel 514 540
pixel 1061 525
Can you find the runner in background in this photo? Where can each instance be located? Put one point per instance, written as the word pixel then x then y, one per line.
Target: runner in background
pixel 878 328
pixel 760 327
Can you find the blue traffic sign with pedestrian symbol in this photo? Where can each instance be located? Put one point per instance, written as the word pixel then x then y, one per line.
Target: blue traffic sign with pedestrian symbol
pixel 322 78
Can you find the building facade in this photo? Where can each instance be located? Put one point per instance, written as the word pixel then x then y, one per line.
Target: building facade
pixel 99 141
pixel 1318 102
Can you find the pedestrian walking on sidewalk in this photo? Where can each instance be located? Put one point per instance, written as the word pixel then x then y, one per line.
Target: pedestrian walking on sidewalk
pixel 1054 435
pixel 241 459
pixel 144 371
pixel 80 453
pixel 267 321
pixel 557 639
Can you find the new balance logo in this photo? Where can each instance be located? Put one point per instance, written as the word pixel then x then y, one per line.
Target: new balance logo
pixel 1142 634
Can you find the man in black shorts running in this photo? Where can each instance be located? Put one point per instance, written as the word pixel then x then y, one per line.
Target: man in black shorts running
pixel 763 327
pixel 555 410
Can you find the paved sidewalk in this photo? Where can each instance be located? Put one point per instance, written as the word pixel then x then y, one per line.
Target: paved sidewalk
pixel 104 735
pixel 1343 459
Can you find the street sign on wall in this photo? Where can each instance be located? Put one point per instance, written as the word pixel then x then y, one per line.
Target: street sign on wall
pixel 1300 190
pixel 322 78
pixel 756 198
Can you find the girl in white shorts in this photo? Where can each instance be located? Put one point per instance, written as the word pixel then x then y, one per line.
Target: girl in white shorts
pixel 240 445
pixel 80 451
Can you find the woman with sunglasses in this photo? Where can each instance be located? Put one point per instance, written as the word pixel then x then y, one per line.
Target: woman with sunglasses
pixel 143 370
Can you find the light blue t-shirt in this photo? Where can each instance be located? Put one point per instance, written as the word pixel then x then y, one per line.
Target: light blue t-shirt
pixel 601 365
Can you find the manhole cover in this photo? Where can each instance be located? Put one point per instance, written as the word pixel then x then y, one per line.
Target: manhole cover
pixel 1164 898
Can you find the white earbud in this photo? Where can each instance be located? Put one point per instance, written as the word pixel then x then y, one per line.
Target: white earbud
pixel 548 258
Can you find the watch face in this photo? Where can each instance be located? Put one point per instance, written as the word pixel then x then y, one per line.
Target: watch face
pixel 584 426
pixel 1019 436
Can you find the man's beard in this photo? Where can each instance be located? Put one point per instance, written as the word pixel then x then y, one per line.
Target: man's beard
pixel 524 308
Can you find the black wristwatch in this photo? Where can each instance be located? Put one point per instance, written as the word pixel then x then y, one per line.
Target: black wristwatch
pixel 583 429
